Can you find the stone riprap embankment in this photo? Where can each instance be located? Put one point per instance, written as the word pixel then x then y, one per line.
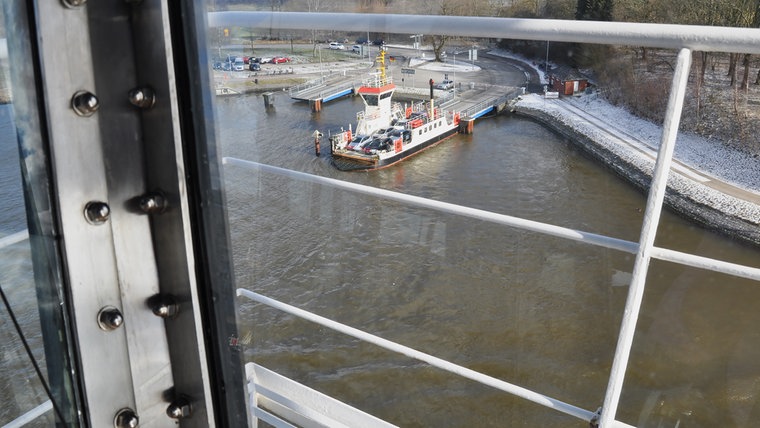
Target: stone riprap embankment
pixel 730 208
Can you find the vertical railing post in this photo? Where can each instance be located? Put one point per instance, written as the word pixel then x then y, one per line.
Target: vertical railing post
pixel 646 241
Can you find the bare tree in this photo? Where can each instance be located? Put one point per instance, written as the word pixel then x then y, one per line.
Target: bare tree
pixel 745 77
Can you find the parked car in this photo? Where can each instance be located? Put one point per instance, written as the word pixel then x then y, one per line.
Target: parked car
pixel 280 59
pixel 265 60
pixel 378 145
pixel 336 45
pixel 446 84
pixel 254 66
pixel 358 142
pixel 356 49
pixel 238 65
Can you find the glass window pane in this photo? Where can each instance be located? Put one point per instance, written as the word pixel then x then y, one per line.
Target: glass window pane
pixel 535 310
pixel 30 274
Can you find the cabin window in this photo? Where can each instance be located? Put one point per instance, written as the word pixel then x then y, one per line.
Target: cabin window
pixel 371 100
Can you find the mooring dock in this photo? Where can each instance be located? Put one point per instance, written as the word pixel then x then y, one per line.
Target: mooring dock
pixel 473 100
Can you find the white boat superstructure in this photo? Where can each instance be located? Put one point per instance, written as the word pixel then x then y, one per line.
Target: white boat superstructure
pixel 386 132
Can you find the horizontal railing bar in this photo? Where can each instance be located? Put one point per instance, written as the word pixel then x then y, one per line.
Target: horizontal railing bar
pixel 707 263
pixel 14 238
pixel 586 237
pixel 519 391
pixel 30 415
pixel 670 36
pixel 561 232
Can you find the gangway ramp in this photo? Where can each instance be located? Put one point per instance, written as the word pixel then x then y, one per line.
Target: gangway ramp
pixel 324 89
pixel 473 104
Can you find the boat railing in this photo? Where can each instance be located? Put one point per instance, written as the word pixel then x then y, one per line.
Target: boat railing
pixel 439 363
pixel 377 81
pixel 491 102
pixel 686 39
pixel 588 415
pixel 319 81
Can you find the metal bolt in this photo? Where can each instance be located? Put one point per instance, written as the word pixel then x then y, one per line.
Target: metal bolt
pixel 97 212
pixel 126 418
pixel 110 318
pixel 85 103
pixel 153 203
pixel 163 305
pixel 143 97
pixel 73 3
pixel 179 409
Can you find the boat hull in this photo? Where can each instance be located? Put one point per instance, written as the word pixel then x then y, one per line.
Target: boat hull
pixel 357 162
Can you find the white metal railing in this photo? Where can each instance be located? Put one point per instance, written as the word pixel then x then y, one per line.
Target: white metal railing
pixel 630 247
pixel 684 38
pixel 13 238
pixel 527 394
pixel 30 416
pixel 693 37
pixel 505 220
pixel 646 242
pixel 679 37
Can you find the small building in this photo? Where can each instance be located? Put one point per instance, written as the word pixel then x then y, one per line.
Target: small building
pixel 567 80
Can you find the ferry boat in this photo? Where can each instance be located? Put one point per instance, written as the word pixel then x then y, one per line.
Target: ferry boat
pixel 386 132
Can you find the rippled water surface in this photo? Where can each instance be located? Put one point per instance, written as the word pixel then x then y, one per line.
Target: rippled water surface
pixel 537 311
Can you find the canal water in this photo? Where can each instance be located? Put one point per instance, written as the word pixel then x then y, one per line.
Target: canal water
pixel 536 311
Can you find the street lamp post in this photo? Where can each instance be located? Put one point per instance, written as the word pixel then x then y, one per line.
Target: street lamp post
pixel 321 71
pixel 417 42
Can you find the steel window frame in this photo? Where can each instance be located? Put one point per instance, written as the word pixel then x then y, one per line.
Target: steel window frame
pixel 109 149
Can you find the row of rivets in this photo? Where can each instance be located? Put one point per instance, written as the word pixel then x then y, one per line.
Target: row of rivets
pixel 97 212
pixel 85 103
pixel 109 318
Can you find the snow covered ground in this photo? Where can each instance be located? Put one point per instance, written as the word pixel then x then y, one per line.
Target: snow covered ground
pixel 635 140
pixel 709 156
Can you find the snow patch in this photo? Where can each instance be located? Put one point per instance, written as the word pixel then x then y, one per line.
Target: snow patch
pixel 612 126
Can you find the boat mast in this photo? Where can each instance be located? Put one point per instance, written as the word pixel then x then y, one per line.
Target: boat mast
pixel 381 66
